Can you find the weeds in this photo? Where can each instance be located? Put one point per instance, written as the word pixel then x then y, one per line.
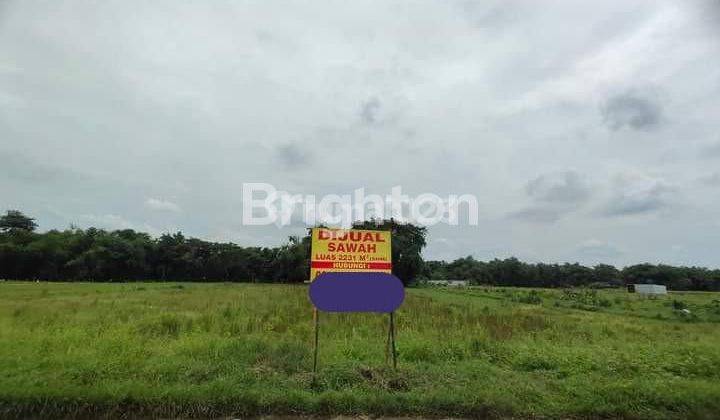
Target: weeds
pixel 218 350
pixel 678 305
pixel 586 299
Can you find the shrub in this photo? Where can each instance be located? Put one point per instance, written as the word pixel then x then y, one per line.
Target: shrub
pixel 585 299
pixel 533 297
pixel 678 305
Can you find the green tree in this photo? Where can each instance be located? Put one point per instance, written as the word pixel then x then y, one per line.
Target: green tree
pixel 408 241
pixel 122 255
pixel 15 221
pixel 608 274
pixel 292 260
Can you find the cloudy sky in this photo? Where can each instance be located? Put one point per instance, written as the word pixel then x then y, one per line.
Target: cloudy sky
pixel 589 132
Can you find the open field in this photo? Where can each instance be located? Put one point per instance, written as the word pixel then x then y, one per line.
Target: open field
pixel 241 349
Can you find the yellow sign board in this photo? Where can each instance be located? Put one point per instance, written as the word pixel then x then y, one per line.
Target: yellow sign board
pixel 350 250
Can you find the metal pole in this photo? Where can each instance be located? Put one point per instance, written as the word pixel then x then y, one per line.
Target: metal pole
pixel 317 328
pixel 392 339
pixel 387 343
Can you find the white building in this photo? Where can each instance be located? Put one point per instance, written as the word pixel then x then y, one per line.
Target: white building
pixel 648 289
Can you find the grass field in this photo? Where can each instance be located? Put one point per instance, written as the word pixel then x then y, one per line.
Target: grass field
pixel 161 349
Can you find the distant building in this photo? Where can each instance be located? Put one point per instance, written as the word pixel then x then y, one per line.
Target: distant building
pixel 448 283
pixel 647 289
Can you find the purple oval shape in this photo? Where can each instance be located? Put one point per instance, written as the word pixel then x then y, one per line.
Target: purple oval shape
pixel 357 292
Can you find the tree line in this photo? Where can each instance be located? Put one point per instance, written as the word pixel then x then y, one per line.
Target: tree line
pixel 512 272
pixel 127 255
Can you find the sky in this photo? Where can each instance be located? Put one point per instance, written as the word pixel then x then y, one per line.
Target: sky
pixel 588 131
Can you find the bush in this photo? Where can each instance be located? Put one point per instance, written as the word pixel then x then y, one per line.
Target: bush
pixel 714 306
pixel 533 298
pixel 586 299
pixel 605 303
pixel 678 305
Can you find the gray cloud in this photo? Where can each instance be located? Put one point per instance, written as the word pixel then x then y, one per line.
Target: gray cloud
pixel 162 205
pixel 553 195
pixel 109 104
pixel 537 215
pixel 632 110
pixel 635 193
pixel 712 180
pixel 597 250
pixel 369 111
pixel 20 168
pixel 293 155
pixel 559 187
pixel 709 13
pixel 711 151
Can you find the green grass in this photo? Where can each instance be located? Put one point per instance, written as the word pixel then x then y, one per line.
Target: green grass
pixel 160 349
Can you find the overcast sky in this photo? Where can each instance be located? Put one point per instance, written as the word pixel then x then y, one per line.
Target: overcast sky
pixel 589 131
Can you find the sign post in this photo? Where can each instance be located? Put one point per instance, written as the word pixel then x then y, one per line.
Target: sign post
pixel 316 321
pixel 351 271
pixel 392 339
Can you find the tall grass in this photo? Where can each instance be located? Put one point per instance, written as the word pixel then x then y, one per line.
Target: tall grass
pixel 237 349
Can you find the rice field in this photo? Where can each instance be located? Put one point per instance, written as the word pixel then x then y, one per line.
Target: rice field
pixel 216 350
